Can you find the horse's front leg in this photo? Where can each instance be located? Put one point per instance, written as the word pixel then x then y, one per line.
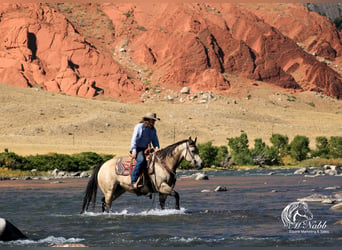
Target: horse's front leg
pixel 176 195
pixel 162 199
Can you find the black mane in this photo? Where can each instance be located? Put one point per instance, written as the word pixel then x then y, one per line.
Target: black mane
pixel 163 153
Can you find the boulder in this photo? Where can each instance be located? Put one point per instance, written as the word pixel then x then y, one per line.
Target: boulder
pixel 200 176
pixel 331 170
pixel 84 174
pixel 320 198
pixel 185 90
pixel 9 232
pixel 302 171
pixel 220 189
pixel 337 207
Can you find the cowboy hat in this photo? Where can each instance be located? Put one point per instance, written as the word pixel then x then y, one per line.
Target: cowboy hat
pixel 151 115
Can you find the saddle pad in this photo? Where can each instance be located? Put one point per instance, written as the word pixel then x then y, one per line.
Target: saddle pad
pixel 124 166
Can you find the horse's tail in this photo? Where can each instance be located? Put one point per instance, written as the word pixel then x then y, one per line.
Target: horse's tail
pixel 91 190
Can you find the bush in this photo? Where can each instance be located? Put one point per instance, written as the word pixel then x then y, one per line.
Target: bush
pixel 12 161
pixel 207 153
pixel 280 143
pixel 87 159
pixel 222 158
pixel 62 162
pixel 239 149
pixel 299 148
pixel 263 154
pixel 76 162
pixel 322 148
pixel 210 155
pixel 335 147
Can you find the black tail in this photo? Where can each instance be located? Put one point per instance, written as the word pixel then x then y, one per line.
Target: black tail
pixel 91 190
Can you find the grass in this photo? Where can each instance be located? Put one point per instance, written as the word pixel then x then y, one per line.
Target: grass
pixel 5 172
pixel 318 162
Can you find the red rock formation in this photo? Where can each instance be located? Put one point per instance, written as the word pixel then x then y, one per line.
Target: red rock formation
pixel 196 45
pixel 41 47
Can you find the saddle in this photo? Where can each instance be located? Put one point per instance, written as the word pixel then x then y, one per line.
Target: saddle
pixel 126 165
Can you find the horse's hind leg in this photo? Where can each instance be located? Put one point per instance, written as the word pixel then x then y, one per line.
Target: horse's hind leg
pixel 107 201
pixel 104 206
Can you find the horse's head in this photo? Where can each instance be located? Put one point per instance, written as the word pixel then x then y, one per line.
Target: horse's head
pixel 192 154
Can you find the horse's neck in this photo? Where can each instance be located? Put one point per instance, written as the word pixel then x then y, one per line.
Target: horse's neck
pixel 177 156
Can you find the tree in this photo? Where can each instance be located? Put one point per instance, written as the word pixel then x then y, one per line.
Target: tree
pixel 280 143
pixel 222 157
pixel 322 147
pixel 207 153
pixel 239 149
pixel 263 154
pixel 335 147
pixel 299 147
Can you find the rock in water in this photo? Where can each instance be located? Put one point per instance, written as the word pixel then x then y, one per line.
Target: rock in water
pixel 9 232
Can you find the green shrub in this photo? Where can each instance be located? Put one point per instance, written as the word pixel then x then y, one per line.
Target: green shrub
pixel 239 149
pixel 280 143
pixel 76 162
pixel 210 155
pixel 299 147
pixel 322 147
pixel 207 153
pixel 263 154
pixel 335 147
pixel 62 162
pixel 222 157
pixel 12 161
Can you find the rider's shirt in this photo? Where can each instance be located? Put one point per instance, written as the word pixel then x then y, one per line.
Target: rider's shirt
pixel 142 136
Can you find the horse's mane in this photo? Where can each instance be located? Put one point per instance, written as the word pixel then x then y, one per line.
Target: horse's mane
pixel 163 153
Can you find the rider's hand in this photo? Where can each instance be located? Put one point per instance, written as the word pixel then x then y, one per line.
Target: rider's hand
pixel 134 155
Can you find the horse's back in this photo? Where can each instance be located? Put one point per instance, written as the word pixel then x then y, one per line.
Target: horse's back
pixel 108 172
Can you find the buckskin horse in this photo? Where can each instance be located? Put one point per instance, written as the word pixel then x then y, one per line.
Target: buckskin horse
pixel 162 177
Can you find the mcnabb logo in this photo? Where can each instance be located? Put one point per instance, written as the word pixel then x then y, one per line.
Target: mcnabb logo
pixel 298 218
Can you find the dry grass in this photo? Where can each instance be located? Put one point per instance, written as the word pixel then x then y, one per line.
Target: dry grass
pixel 34 121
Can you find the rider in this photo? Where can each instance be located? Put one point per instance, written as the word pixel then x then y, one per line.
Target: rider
pixel 144 134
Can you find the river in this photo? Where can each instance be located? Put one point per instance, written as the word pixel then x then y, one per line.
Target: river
pixel 247 214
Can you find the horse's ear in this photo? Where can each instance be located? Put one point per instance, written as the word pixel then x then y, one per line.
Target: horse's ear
pixel 190 138
pixel 195 140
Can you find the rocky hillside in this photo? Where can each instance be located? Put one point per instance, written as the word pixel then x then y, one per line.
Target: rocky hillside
pixel 122 50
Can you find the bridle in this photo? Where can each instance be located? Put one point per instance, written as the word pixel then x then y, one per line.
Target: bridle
pixel 188 151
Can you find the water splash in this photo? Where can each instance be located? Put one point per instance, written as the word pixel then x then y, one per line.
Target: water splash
pixel 150 212
pixel 50 240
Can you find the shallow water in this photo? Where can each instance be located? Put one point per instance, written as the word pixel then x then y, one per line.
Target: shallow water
pixel 248 214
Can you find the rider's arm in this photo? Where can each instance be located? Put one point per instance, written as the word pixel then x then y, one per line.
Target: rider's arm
pixel 155 140
pixel 135 136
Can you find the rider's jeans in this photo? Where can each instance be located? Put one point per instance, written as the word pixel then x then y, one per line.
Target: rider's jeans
pixel 140 164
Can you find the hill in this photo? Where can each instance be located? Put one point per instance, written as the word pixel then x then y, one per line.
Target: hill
pixel 122 50
pixel 84 74
pixel 36 121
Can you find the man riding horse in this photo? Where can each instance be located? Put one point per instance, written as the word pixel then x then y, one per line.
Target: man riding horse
pixel 144 133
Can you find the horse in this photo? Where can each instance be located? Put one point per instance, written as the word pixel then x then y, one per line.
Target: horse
pixel 162 178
